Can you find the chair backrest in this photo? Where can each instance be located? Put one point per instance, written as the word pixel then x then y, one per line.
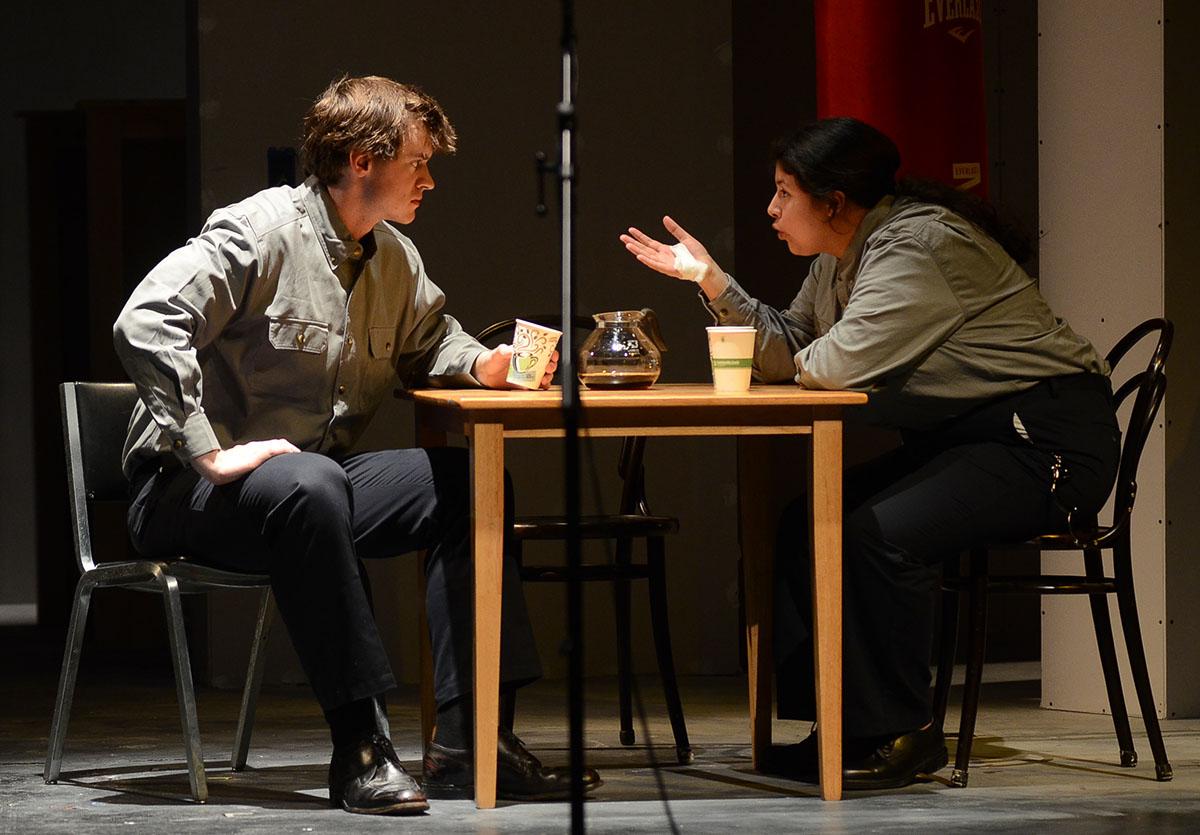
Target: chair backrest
pixel 629 465
pixel 1148 385
pixel 497 332
pixel 95 422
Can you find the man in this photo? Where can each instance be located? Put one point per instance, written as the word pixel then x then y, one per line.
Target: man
pixel 260 350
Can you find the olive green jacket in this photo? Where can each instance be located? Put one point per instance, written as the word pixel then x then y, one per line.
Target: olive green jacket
pixel 924 310
pixel 273 323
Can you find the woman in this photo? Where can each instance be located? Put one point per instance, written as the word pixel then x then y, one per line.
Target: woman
pixel 1006 414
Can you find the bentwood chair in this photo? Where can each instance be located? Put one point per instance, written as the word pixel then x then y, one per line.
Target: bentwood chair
pixel 633 520
pixel 95 419
pixel 1090 537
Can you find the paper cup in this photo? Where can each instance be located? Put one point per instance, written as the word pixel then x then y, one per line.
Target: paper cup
pixel 731 350
pixel 532 347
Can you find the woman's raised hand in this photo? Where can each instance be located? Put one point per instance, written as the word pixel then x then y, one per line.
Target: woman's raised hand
pixel 663 258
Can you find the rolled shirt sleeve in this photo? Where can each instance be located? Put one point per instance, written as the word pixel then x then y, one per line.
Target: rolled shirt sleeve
pixel 177 309
pixel 781 333
pixel 435 350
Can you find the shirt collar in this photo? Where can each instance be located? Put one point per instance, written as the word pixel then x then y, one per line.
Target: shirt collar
pixel 335 237
pixel 872 220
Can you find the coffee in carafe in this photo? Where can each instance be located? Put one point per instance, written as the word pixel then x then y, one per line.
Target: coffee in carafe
pixel 623 352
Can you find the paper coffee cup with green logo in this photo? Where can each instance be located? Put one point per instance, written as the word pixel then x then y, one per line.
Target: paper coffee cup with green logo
pixel 731 350
pixel 532 346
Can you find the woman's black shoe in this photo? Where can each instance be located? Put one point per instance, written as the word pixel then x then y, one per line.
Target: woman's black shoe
pixel 450 773
pixel 367 778
pixel 897 762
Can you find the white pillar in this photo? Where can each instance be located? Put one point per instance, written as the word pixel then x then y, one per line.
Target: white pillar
pixel 1103 185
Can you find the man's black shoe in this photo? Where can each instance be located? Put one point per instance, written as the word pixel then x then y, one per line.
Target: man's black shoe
pixel 797 761
pixel 367 778
pixel 897 762
pixel 450 773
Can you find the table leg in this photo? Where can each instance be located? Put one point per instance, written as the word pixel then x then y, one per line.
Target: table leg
pixel 826 493
pixel 487 505
pixel 757 525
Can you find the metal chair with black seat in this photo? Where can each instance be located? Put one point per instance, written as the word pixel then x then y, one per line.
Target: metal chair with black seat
pixel 95 420
pixel 633 520
pixel 1091 538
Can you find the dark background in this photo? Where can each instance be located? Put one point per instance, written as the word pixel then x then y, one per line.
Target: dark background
pixel 126 122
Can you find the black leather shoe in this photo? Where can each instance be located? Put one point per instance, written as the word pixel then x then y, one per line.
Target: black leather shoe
pixel 897 762
pixel 367 778
pixel 450 773
pixel 797 761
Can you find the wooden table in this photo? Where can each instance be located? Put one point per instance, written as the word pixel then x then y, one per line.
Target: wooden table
pixel 487 417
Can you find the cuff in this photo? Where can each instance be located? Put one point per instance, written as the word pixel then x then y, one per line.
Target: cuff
pixel 194 438
pixel 727 306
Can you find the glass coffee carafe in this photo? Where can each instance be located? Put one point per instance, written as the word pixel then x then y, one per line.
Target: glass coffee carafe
pixel 623 352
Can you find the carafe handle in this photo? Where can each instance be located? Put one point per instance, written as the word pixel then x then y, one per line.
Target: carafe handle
pixel 650 323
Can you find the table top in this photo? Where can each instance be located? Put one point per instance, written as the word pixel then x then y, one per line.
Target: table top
pixel 661 395
pixel 665 409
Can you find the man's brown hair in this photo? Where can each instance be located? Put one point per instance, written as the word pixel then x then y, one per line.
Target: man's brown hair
pixel 371 114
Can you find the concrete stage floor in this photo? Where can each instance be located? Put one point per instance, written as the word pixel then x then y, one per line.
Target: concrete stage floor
pixel 1034 770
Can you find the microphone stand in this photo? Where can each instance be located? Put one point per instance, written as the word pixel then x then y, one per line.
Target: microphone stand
pixel 570 404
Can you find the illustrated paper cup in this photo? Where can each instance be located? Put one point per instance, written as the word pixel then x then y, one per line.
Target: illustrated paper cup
pixel 532 347
pixel 731 349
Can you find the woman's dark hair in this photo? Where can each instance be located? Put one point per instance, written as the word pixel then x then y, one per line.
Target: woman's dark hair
pixel 846 155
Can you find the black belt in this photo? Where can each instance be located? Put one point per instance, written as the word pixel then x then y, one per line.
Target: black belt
pixel 1087 381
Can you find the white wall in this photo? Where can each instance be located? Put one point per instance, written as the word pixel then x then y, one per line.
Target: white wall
pixel 655 124
pixel 1103 174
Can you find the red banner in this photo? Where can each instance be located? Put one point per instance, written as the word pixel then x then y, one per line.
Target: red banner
pixel 913 69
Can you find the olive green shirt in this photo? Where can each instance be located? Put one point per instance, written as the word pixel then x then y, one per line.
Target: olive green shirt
pixel 274 323
pixel 923 310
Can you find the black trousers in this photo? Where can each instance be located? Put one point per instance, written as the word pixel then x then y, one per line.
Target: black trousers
pixel 308 521
pixel 975 481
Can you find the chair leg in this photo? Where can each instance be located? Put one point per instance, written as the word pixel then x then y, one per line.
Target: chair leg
pixel 508 696
pixel 1102 622
pixel 977 601
pixel 254 677
pixel 1127 603
pixel 656 557
pixel 621 609
pixel 66 679
pixel 428 704
pixel 183 686
pixel 947 647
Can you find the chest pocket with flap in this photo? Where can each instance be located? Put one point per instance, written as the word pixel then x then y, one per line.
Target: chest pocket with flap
pixel 299 335
pixel 382 342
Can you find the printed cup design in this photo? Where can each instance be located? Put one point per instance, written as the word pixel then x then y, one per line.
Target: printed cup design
pixel 731 351
pixel 532 347
pixel 524 361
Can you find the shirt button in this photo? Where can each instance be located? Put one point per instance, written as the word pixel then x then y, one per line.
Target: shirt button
pixel 341 389
pixel 178 443
pixel 387 347
pixel 300 339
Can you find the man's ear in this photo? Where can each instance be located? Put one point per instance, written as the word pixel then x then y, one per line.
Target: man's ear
pixel 359 162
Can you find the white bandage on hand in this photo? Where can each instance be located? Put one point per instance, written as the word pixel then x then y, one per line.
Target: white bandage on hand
pixel 687 266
